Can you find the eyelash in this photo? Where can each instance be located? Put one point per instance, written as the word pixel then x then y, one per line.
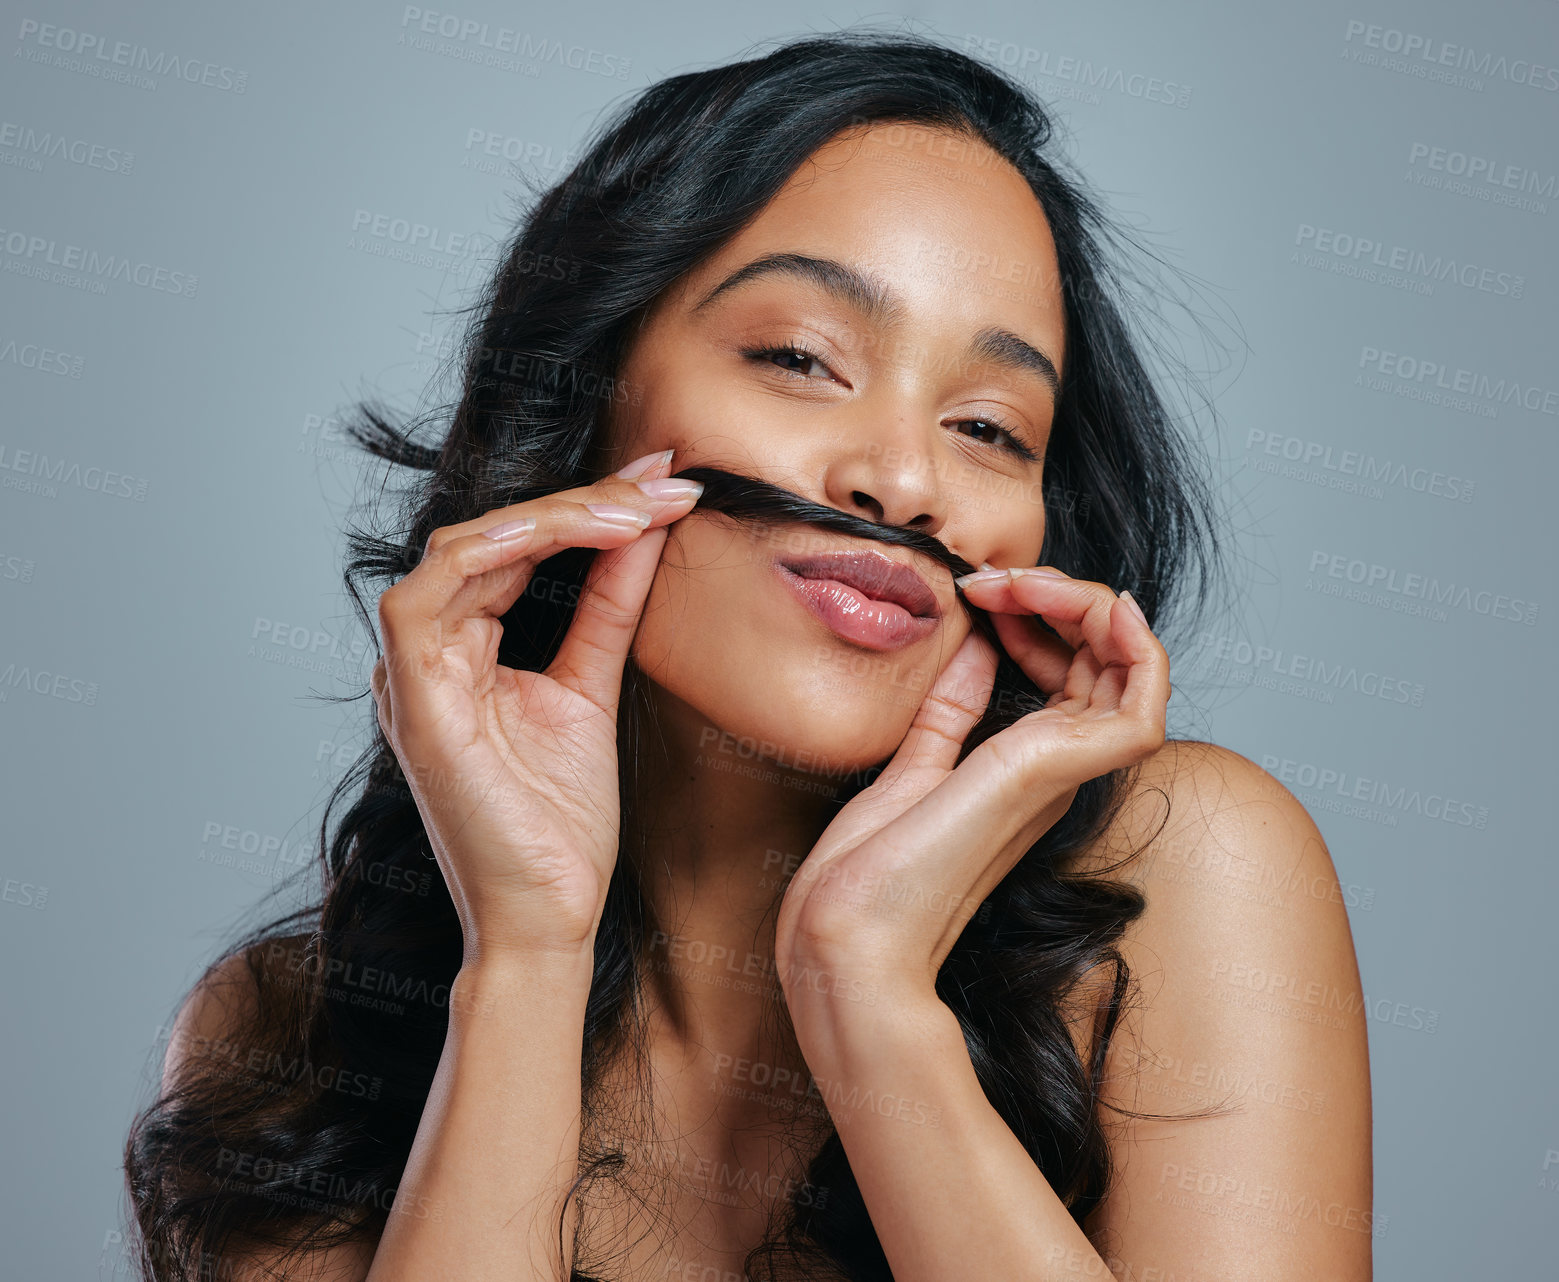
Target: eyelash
pixel 1014 445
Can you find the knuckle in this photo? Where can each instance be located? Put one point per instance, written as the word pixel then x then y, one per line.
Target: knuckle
pixel 605 491
pixel 614 486
pixel 1147 735
pixel 463 560
pixel 614 489
pixel 389 605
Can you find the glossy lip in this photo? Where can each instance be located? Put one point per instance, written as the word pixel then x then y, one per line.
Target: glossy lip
pixel 864 597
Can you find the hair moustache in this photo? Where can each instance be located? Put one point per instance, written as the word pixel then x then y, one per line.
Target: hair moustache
pixel 747 498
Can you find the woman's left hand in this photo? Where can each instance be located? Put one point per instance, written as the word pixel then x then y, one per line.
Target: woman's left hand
pixel 895 878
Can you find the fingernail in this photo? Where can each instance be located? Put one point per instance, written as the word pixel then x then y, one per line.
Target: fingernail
pixel 986 565
pixel 643 464
pixel 671 487
pixel 620 515
pixel 1135 608
pixel 1029 570
pixel 980 576
pixel 512 529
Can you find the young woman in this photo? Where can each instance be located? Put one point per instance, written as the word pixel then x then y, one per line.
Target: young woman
pixel 735 886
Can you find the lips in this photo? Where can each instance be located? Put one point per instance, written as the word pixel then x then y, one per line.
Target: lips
pixel 863 598
pixel 871 575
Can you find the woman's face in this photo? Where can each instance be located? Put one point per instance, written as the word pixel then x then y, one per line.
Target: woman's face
pixel 918 270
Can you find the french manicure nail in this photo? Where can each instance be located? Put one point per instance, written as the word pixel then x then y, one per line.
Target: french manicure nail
pixel 618 515
pixel 980 576
pixel 512 529
pixel 645 463
pixel 1135 608
pixel 671 487
pixel 1029 570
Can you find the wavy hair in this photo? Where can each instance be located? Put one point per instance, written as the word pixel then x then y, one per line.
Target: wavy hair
pixel 295 1133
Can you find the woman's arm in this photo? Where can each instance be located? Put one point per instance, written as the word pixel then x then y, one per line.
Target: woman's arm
pixel 951 1192
pixel 1278 1189
pixel 498 1145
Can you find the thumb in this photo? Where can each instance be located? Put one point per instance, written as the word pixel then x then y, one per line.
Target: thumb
pixel 591 659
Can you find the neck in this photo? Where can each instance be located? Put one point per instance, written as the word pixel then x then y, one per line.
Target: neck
pixel 719 832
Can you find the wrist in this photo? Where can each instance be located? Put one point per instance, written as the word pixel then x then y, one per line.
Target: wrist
pixel 840 1010
pixel 513 976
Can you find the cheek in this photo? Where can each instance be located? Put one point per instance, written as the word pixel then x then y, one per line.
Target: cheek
pixel 1012 532
pixel 704 417
pixel 695 621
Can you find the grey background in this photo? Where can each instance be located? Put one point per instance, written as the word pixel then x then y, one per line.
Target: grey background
pixel 160 631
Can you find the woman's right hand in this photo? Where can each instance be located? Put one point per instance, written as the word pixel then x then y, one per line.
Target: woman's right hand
pixel 515 772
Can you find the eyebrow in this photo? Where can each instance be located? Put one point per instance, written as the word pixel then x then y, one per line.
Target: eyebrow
pixel 883 308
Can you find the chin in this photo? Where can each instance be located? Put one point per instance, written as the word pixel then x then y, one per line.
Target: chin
pixel 805 717
pixel 840 739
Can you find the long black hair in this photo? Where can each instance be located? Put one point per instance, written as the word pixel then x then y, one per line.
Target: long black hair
pixel 355 988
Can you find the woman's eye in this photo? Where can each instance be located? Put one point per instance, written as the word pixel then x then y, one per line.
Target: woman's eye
pixel 798 357
pixel 1004 438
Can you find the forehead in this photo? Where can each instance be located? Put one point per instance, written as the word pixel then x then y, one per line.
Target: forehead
pixel 949 224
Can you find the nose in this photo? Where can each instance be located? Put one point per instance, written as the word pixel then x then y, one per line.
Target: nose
pixel 887 478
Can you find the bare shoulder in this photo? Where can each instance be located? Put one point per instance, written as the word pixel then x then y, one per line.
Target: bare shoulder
pixel 217 1017
pixel 1248 1005
pixel 223 1005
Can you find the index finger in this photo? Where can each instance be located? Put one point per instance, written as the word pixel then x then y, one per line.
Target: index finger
pixel 1078 609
